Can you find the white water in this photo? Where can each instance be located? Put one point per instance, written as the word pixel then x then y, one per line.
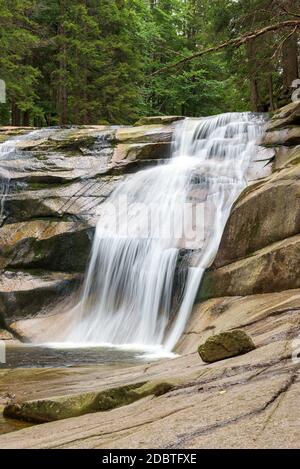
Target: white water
pixel 127 296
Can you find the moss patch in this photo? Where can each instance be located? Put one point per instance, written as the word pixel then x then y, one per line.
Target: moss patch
pixel 225 345
pixel 48 410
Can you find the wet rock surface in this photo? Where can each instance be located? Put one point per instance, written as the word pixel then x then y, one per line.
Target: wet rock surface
pixel 39 243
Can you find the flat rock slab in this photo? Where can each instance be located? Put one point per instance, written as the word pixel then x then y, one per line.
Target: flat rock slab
pixel 145 134
pixel 70 201
pixel 286 136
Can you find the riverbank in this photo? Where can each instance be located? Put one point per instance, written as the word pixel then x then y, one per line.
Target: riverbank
pixel 246 401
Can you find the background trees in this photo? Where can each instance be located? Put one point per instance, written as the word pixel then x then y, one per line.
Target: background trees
pixel 97 61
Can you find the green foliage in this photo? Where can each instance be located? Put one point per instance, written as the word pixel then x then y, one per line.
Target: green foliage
pixel 92 61
pixel 18 40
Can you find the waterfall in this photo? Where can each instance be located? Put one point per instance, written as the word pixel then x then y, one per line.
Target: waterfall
pixel 153 219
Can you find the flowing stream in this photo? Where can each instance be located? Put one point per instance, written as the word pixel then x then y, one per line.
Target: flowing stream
pixel 150 221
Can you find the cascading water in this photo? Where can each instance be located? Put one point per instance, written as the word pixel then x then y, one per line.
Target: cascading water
pixel 128 291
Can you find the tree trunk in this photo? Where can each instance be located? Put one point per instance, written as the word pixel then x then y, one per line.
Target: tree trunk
pixel 290 62
pixel 15 115
pixel 254 95
pixel 290 55
pixel 271 92
pixel 62 87
pixel 26 119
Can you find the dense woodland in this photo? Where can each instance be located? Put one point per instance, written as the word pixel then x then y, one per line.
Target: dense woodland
pixel 100 61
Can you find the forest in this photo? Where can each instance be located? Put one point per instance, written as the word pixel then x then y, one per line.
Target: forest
pixel 149 228
pixel 112 61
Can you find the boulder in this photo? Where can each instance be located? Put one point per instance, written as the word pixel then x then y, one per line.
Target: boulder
pixel 273 268
pixel 5 335
pixel 225 345
pixel 256 220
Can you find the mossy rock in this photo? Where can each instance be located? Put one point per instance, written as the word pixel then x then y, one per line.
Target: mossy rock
pixel 225 345
pixel 48 410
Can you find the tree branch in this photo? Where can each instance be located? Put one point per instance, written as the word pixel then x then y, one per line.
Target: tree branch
pixel 237 42
pixel 280 46
pixel 287 12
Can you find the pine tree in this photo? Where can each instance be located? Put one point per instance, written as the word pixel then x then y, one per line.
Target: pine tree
pixel 95 61
pixel 18 39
